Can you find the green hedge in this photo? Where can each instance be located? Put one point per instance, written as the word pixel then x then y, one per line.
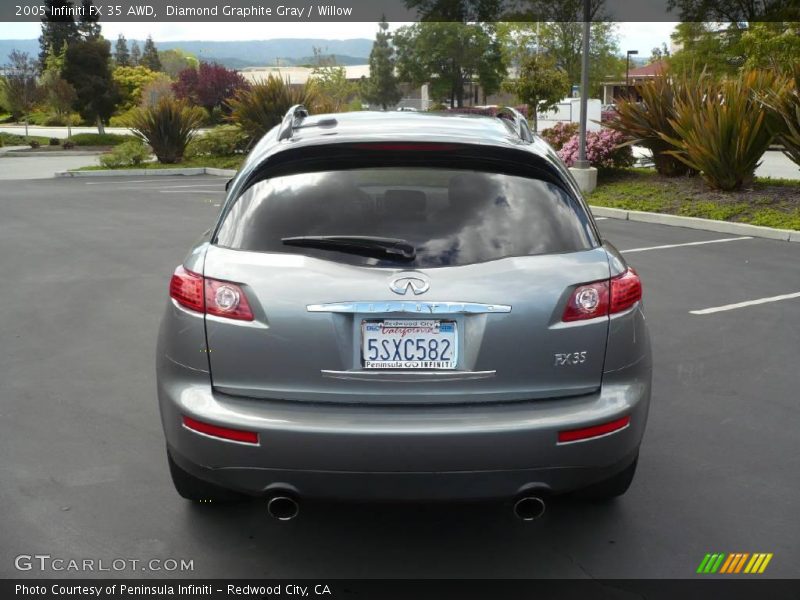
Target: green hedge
pixel 96 139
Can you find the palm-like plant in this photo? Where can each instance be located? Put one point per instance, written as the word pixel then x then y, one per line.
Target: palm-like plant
pixel 722 128
pixel 785 105
pixel 644 122
pixel 261 107
pixel 167 127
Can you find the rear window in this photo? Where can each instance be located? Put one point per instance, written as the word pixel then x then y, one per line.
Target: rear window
pixel 451 217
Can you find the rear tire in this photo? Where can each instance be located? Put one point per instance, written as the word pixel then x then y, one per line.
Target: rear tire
pixel 198 490
pixel 610 488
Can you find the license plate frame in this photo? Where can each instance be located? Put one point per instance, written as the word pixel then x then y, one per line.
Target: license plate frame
pixel 421 360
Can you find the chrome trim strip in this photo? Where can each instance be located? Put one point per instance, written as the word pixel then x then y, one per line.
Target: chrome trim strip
pixel 409 306
pixel 381 375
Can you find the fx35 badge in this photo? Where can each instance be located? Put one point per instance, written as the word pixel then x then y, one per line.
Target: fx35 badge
pixel 570 358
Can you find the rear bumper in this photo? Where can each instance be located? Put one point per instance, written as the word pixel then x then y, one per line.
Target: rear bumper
pixel 403 452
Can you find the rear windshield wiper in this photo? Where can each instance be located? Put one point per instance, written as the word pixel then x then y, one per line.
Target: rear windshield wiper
pixel 363 245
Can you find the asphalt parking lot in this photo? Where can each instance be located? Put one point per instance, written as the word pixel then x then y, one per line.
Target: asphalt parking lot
pixel 83 280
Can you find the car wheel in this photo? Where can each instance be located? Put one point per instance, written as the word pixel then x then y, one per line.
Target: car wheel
pixel 612 487
pixel 197 490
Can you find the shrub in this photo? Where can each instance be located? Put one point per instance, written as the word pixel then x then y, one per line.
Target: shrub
pixel 68 145
pixel 261 107
pixel 225 140
pixel 129 154
pixel 167 127
pixel 559 134
pixel 643 123
pixel 34 144
pixel 100 139
pixel 785 106
pixel 604 149
pixel 54 141
pixel 722 128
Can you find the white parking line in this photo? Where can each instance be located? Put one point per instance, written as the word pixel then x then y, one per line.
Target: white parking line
pixel 664 247
pixel 154 179
pixel 716 309
pixel 199 185
pixel 191 191
pixel 600 218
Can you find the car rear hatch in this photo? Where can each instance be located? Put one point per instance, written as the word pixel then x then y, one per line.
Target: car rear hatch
pixel 475 316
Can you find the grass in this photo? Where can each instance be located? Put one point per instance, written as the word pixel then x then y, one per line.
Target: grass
pixel 219 162
pixel 12 139
pixel 767 202
pixel 97 139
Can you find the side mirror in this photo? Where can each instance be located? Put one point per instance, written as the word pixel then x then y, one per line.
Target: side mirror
pixel 228 184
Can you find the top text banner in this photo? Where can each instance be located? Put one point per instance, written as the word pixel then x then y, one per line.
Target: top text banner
pixel 407 10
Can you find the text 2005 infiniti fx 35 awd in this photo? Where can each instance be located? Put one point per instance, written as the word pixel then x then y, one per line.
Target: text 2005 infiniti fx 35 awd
pixel 403 306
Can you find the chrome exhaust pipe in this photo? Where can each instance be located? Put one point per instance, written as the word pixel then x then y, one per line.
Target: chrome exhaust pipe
pixel 283 508
pixel 529 508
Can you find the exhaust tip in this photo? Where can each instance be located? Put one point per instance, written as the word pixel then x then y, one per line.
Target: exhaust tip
pixel 283 508
pixel 529 508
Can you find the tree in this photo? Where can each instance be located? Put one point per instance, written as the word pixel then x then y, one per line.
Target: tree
pixel 55 90
pixel 122 58
pixel 734 11
pixel 176 60
pixel 88 69
pixel 136 54
pixel 773 46
pixel 563 41
pixel 130 82
pixel 88 25
pixel 150 55
pixel 57 30
pixel 447 56
pixel 209 86
pixel 333 87
pixel 541 85
pixel 20 87
pixel 715 47
pixel 659 53
pixel 381 88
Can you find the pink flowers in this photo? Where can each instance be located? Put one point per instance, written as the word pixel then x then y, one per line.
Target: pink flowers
pixel 602 150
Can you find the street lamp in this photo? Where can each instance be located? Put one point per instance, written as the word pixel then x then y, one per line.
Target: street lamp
pixel 627 71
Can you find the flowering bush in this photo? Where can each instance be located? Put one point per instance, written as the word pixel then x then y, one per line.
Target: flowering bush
pixel 602 150
pixel 560 134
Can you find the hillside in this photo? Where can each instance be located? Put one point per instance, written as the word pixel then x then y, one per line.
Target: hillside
pixel 236 54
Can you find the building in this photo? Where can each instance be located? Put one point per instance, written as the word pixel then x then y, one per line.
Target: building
pixel 627 89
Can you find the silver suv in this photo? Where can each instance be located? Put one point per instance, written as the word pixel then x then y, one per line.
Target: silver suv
pixel 403 306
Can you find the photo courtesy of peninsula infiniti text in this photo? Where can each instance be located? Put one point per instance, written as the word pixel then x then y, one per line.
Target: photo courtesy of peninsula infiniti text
pixel 403 306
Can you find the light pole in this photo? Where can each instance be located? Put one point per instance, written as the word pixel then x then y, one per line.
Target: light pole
pixel 582 163
pixel 627 71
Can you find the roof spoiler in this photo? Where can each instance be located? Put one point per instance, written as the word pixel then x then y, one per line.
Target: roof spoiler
pixel 291 120
pixel 518 122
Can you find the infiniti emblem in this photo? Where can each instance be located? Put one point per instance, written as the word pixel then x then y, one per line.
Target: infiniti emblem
pixel 410 280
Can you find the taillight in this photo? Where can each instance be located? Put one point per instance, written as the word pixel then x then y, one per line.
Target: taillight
pixel 586 433
pixel 236 435
pixel 602 298
pixel 587 302
pixel 203 294
pixel 626 290
pixel 225 299
pixel 186 288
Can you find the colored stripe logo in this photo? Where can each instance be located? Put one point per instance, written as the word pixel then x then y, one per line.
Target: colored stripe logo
pixel 735 563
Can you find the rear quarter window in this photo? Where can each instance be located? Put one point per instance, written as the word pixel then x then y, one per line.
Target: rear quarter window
pixel 452 217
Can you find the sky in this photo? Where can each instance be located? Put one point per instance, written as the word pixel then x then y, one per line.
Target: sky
pixel 632 36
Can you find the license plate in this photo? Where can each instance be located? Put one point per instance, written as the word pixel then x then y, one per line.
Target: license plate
pixel 409 344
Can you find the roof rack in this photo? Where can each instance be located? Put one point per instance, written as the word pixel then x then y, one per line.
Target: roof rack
pixel 291 120
pixel 518 122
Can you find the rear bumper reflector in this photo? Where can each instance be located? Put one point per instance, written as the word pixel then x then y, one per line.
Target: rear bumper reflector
pixel 235 435
pixel 586 433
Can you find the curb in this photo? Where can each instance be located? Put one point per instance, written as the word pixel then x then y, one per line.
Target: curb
pixel 29 153
pixel 149 172
pixel 785 235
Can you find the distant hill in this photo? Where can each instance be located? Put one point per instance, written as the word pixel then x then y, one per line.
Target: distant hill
pixel 236 55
